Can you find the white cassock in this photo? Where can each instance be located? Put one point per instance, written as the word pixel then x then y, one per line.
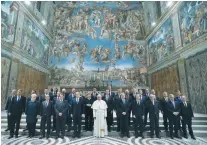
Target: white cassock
pixel 100 112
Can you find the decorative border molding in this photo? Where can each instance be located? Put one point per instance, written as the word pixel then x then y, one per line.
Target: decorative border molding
pixel 195 46
pixel 35 20
pixel 16 53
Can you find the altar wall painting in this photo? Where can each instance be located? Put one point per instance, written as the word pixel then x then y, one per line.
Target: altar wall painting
pixel 161 44
pixel 30 79
pixel 9 12
pixel 34 41
pixel 98 41
pixel 166 79
pixel 193 20
pixel 5 65
pixel 196 70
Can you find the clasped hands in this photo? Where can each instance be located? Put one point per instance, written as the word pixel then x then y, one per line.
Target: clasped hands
pixel 124 113
pixel 175 113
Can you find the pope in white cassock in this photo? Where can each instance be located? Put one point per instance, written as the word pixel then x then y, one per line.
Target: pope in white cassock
pixel 100 113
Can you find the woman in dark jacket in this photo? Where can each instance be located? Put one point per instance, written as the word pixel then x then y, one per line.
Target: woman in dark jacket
pixel 32 110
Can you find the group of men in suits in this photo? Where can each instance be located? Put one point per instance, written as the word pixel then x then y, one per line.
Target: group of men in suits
pixel 71 108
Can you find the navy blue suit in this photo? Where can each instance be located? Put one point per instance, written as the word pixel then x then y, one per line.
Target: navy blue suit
pixel 173 120
pixel 69 119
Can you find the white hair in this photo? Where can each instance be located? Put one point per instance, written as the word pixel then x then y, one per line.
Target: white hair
pixel 99 95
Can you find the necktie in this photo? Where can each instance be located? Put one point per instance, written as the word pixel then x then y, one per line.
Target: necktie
pixel 17 98
pixel 124 101
pixel 77 100
pixel 185 104
pixel 174 104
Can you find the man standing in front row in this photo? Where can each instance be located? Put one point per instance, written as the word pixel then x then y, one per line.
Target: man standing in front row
pixel 153 108
pixel 138 115
pixel 9 100
pixel 186 116
pixel 46 111
pixel 77 112
pixel 61 109
pixel 15 110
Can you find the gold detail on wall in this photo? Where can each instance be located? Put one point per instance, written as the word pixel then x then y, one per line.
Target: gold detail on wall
pixel 30 79
pixel 165 80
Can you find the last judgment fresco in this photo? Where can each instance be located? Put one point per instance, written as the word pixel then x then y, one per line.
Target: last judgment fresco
pixel 100 38
pixel 193 20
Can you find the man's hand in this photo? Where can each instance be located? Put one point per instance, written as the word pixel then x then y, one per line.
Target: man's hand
pixel 134 116
pixel 94 117
pixel 124 113
pixel 181 118
pixel 162 112
pixel 88 105
pixel 83 115
pixel 104 117
pixel 174 113
pixel 9 114
pixel 60 114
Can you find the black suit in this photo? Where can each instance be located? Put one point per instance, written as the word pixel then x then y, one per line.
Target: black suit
pixel 54 114
pixel 138 109
pixel 173 120
pixel 94 96
pixel 9 100
pixel 146 109
pixel 110 103
pixel 46 112
pixel 123 107
pixel 154 116
pixel 16 108
pixel 187 114
pixel 61 107
pixel 88 114
pixel 77 111
pixel 164 109
pixel 116 102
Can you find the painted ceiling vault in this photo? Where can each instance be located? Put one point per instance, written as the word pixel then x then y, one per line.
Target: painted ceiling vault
pixel 105 36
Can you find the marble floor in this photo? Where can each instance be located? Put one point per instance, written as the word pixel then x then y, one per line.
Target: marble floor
pixel 22 140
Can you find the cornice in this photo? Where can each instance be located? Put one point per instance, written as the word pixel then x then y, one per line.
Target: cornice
pixel 15 53
pixel 163 19
pixel 35 19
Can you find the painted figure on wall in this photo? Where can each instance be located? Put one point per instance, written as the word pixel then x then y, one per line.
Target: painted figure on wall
pixel 161 44
pixel 193 20
pixel 9 12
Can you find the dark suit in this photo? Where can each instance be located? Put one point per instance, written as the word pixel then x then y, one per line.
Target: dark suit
pixel 154 116
pixel 123 107
pixel 138 109
pixel 32 110
pixel 69 120
pixel 110 103
pixel 94 96
pixel 88 114
pixel 16 108
pixel 77 111
pixel 146 109
pixel 61 107
pixel 187 114
pixel 9 100
pixel 116 102
pixel 164 109
pixel 54 114
pixel 46 112
pixel 179 99
pixel 173 120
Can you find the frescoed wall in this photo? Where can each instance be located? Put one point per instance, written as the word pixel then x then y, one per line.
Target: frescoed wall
pixel 9 11
pixel 166 79
pixel 5 65
pixel 101 40
pixel 196 71
pixel 193 20
pixel 34 42
pixel 161 44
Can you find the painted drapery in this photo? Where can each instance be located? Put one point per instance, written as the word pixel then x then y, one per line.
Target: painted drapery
pixel 30 79
pixel 196 70
pixel 166 79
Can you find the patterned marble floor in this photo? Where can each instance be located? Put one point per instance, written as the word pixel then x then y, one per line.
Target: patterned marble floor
pixel 22 140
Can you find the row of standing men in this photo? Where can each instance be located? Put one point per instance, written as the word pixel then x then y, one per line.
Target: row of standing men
pixel 140 104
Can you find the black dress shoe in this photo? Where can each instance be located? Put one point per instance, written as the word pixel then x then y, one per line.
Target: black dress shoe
pixel 152 136
pixel 185 136
pixel 62 137
pixel 177 136
pixel 7 129
pixel 128 135
pixel 74 135
pixel 16 136
pixel 193 137
pixel 158 136
pixel 142 136
pixel 172 137
pixel 10 137
pixel 25 129
pixel 48 136
pixel 56 137
pixel 121 135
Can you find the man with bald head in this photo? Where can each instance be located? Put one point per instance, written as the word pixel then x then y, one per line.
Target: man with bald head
pixel 77 112
pixel 9 100
pixel 186 116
